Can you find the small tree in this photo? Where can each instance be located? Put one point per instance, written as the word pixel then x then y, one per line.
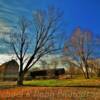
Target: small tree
pixel 72 66
pixel 46 25
pixel 54 63
pixel 80 49
pixel 44 64
pixel 71 70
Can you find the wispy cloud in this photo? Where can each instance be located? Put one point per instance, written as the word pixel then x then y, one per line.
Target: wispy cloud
pixel 10 11
pixel 4 27
pixel 13 6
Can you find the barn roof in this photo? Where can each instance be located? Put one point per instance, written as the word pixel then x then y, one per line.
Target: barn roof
pixel 10 63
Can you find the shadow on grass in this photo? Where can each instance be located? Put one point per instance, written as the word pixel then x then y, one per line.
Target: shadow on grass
pixel 78 86
pixel 8 87
pixel 12 87
pixel 29 85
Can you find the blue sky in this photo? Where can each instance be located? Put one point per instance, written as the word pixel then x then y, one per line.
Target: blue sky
pixel 83 13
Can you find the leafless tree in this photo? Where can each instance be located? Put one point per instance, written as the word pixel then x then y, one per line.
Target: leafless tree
pixel 46 25
pixel 44 64
pixel 71 70
pixel 54 64
pixel 19 43
pixel 80 49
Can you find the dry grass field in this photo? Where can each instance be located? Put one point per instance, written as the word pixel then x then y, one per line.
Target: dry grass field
pixel 59 90
pixel 50 93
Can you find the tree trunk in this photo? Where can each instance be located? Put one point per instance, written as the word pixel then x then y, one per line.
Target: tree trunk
pixel 71 76
pixel 20 79
pixel 87 72
pixel 21 74
pixel 87 75
pixel 84 73
pixel 82 69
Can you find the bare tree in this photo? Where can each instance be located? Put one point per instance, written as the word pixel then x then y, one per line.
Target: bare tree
pixel 71 70
pixel 19 42
pixel 80 49
pixel 44 64
pixel 54 63
pixel 95 67
pixel 46 25
pixel 71 65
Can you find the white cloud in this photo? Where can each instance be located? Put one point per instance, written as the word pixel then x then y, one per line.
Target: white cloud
pixel 4 27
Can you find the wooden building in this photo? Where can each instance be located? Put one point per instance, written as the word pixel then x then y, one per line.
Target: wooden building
pixel 51 73
pixel 9 70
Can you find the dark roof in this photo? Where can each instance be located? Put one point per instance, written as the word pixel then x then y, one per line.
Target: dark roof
pixel 57 71
pixel 10 63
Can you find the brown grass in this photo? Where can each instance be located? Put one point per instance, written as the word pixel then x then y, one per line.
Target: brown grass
pixel 78 89
pixel 50 93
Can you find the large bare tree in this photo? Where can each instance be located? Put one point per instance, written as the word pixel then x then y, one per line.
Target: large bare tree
pixel 46 27
pixel 20 44
pixel 79 49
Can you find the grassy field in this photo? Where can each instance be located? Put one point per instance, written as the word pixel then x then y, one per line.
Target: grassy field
pixel 54 83
pixel 64 83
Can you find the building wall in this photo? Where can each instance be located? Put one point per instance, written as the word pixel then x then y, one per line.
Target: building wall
pixel 9 71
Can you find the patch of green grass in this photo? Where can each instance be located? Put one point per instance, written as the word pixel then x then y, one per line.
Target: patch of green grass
pixel 67 82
